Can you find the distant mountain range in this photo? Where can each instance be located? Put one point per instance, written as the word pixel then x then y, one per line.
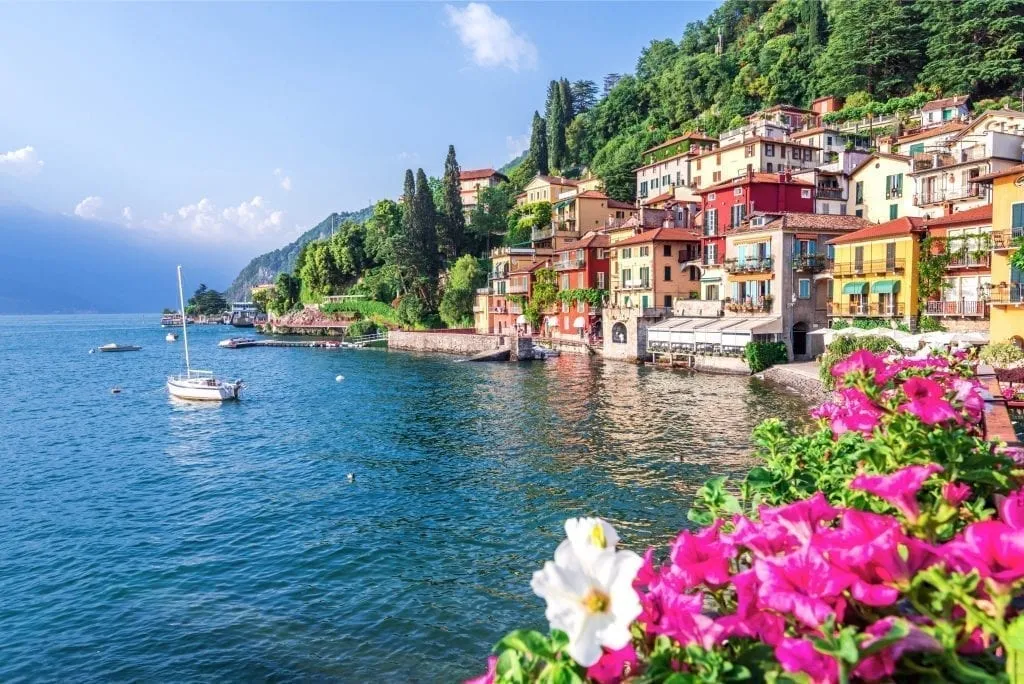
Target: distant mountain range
pixel 266 267
pixel 54 263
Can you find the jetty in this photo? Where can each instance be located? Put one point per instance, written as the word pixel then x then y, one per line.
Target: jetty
pixel 378 340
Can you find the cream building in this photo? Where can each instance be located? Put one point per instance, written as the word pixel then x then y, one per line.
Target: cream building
pixel 880 189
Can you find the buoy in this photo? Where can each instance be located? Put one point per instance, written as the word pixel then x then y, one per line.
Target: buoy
pixel 351 477
pixel 339 378
pixel 115 390
pixel 92 351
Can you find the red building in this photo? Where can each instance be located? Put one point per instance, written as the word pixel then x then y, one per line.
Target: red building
pixel 580 265
pixel 725 205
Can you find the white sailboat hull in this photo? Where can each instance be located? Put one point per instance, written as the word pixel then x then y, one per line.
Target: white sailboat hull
pixel 203 389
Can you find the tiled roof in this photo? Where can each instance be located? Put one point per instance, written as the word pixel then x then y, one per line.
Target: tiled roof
pixel 812 131
pixel 530 269
pixel 659 198
pixel 591 239
pixel 944 102
pixel 689 135
pixel 904 225
pixel 951 127
pixel 1019 168
pixel 474 174
pixel 556 180
pixel 659 235
pixel 876 155
pixel 757 177
pixel 754 139
pixel 616 204
pixel 975 215
pixel 801 220
pixel 592 194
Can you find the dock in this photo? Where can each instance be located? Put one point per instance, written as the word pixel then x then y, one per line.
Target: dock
pixel 379 340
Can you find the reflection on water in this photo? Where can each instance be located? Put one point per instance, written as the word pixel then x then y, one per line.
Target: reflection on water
pixel 154 539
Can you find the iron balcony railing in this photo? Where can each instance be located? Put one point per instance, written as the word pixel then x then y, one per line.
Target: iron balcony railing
pixel 811 262
pixel 748 265
pixel 961 307
pixel 950 194
pixel 570 265
pixel 1012 293
pixel 862 267
pixel 1006 239
pixel 970 260
pixel 865 310
pixel 750 305
pixel 635 285
pixel 514 288
pixel 830 193
pixel 937 160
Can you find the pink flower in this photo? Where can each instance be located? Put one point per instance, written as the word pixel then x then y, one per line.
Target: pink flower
pixel 969 397
pixel 750 621
pixel 700 558
pixel 762 540
pixel 691 628
pixel 491 674
pixel 927 401
pixel 797 655
pixel 861 361
pixel 1008 393
pixel 802 584
pixel 882 665
pixel 899 488
pixel 993 548
pixel 613 666
pixel 1011 509
pixel 802 518
pixel 853 413
pixel 955 493
pixel 1015 454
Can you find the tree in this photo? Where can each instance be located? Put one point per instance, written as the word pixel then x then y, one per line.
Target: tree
pixel 568 104
pixel 523 219
pixel 464 277
pixel 423 237
pixel 931 271
pixel 584 96
pixel 490 215
pixel 452 223
pixel 287 290
pixel 557 151
pixel 543 296
pixel 539 144
pixel 319 272
pixel 206 302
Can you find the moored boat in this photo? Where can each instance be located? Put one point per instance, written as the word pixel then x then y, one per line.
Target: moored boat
pixel 235 342
pixel 112 347
pixel 171 337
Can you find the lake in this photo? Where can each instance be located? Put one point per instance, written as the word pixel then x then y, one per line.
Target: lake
pixel 147 539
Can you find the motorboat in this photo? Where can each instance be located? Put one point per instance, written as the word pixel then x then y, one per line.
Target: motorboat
pixel 243 315
pixel 112 347
pixel 236 342
pixel 171 337
pixel 171 320
pixel 199 385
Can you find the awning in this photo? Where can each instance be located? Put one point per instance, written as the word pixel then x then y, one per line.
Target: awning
pixel 580 322
pixel 885 287
pixel 521 320
pixel 857 287
pixel 711 279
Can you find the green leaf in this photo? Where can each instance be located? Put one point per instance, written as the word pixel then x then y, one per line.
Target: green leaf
pixel 510 670
pixel 1015 634
pixel 527 641
pixel 848 650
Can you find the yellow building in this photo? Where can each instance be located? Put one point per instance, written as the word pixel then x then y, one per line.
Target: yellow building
pixel 874 271
pixel 881 189
pixel 652 269
pixel 760 154
pixel 1006 317
pixel 545 189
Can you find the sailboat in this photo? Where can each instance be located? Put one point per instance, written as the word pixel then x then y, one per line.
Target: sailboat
pixel 199 385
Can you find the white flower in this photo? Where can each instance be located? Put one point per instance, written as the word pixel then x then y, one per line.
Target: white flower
pixel 590 598
pixel 587 538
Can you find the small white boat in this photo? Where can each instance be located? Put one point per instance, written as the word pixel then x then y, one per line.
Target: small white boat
pixel 198 385
pixel 171 337
pixel 236 342
pixel 118 348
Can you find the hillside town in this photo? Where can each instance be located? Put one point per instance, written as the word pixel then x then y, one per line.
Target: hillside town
pixel 776 231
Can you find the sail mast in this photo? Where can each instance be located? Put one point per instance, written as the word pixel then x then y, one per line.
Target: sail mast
pixel 184 326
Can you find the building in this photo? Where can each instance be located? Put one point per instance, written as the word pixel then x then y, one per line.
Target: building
pixel 777 265
pixel 880 189
pixel 874 271
pixel 923 139
pixel 831 141
pixel 580 265
pixel 726 205
pixel 509 283
pixel 945 173
pixel 967 236
pixel 945 110
pixel 761 154
pixel 1006 316
pixel 667 166
pixel 832 182
pixel 545 189
pixel 575 213
pixel 653 268
pixel 472 181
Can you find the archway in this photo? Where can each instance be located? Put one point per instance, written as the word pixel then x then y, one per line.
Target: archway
pixel 799 339
pixel 619 334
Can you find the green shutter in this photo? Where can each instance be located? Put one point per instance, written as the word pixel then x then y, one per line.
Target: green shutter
pixel 894 210
pixel 899 183
pixel 1017 220
pixel 916 148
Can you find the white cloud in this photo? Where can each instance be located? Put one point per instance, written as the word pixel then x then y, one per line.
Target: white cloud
pixel 492 40
pixel 23 162
pixel 517 144
pixel 203 220
pixel 89 207
pixel 127 215
pixel 286 181
pixel 408 156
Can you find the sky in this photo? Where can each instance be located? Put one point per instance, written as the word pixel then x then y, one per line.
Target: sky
pixel 237 126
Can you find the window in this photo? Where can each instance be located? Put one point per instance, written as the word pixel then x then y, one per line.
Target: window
pixel 894 186
pixel 654 183
pixel 805 193
pixel 808 154
pixel 679 178
pixel 824 208
pixel 711 254
pixel 666 179
pixel 627 277
pixel 711 222
pixel 859 213
pixel 859 193
pixel 600 280
pixel 643 188
pixel 1017 219
pixel 581 279
pixel 565 282
pixel 796 153
pixel 698 164
pixel 668 273
pixel 890 256
pixel 696 181
pixel 842 208
pixel 712 196
pixel 858 259
pixel 804 288
pixel 645 251
pixel 769 151
pixel 668 301
pixel 737 214
pixel 748 151
pixel 626 252
pixel 769 167
pixel 711 292
pixel 894 211
pixel 694 274
pixel 666 250
pixel 645 276
pixel 916 148
pixel 828 140
pixel 737 192
pixel 602 253
pixel 716 176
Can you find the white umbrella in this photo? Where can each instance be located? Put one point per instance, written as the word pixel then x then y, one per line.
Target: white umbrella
pixel 521 320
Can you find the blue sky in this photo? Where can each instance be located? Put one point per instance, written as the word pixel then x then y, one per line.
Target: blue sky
pixel 240 125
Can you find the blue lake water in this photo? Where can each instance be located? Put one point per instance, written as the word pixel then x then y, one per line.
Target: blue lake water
pixel 147 539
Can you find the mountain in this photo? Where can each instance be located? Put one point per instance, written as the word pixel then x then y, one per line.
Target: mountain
pixel 266 267
pixel 54 263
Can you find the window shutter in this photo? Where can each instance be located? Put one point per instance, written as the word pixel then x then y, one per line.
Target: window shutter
pixel 1017 220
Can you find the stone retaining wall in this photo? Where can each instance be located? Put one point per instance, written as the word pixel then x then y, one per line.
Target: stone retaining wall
pixel 460 343
pixel 800 383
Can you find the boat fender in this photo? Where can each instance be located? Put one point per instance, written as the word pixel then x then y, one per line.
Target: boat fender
pixel 351 477
pixel 115 390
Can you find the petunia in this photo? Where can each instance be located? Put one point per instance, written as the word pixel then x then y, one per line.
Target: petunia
pixel 899 488
pixel 882 665
pixel 993 548
pixel 802 584
pixel 855 413
pixel 591 599
pixel 587 538
pixel 1011 509
pixel 926 400
pixel 700 558
pixel 683 621
pixel 969 396
pixel 613 666
pixel 861 361
pixel 762 540
pixel 749 620
pixel 955 493
pixel 802 518
pixel 798 655
pixel 489 676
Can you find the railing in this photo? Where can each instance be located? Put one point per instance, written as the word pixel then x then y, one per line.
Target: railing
pixel 949 195
pixel 1005 239
pixel 859 268
pixel 750 305
pixel 962 307
pixel 830 193
pixel 635 285
pixel 568 265
pixel 867 310
pixel 970 260
pixel 748 265
pixel 498 309
pixel 651 311
pixel 708 261
pixel 1007 294
pixel 712 231
pixel 871 122
pixel 518 289
pixel 937 160
pixel 484 291
pixel 811 262
pixel 542 233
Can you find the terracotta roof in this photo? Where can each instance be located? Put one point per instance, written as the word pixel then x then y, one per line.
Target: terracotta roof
pixel 616 204
pixel 812 131
pixel 951 127
pixel 875 155
pixel 756 177
pixel 555 180
pixel 689 135
pixel 592 194
pixel 659 235
pixel 529 269
pixel 955 101
pixel 591 239
pixel 787 107
pixel 1019 168
pixel 659 198
pixel 975 215
pixel 904 225
pixel 753 139
pixel 801 220
pixel 473 174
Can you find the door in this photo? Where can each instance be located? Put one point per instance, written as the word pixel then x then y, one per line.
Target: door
pixel 799 339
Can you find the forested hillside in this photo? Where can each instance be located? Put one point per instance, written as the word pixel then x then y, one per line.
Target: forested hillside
pixel 750 54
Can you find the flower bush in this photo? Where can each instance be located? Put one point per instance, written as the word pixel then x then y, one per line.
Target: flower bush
pixel 884 543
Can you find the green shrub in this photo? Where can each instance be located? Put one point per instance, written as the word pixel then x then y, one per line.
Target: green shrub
pixel 844 345
pixel 411 310
pixel 762 355
pixel 1001 355
pixel 361 328
pixel 929 324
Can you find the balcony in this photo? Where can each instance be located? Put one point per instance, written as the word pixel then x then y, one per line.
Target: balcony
pixel 828 193
pixel 1007 294
pixel 970 260
pixel 518 288
pixel 484 291
pixel 951 194
pixel 862 267
pixel 498 309
pixel 1005 239
pixel 750 305
pixel 938 160
pixel 570 265
pixel 861 310
pixel 815 263
pixel 748 265
pixel 963 307
pixel 635 285
pixel 557 228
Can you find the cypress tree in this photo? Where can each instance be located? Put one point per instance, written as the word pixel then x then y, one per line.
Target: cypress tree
pixel 539 145
pixel 556 132
pixel 425 236
pixel 568 104
pixel 452 224
pixel 404 243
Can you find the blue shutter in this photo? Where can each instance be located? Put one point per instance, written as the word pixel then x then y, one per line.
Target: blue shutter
pixel 812 247
pixel 1017 220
